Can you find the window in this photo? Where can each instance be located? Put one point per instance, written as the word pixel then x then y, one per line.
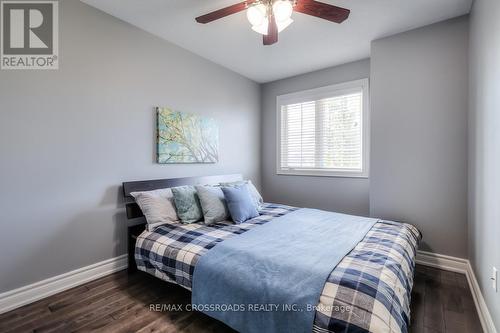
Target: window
pixel 324 131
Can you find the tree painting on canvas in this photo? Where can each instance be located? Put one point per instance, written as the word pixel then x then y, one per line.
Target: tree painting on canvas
pixel 186 138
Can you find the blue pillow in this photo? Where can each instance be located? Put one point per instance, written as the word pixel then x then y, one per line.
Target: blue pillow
pixel 240 203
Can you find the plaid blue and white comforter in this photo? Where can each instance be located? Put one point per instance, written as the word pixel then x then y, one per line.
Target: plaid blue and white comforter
pixel 368 291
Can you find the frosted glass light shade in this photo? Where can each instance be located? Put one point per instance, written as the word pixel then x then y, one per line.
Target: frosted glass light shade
pixel 282 10
pixel 262 28
pixel 282 25
pixel 257 14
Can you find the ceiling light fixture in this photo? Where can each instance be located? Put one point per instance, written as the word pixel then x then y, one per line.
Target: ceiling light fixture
pixel 270 17
pixel 258 14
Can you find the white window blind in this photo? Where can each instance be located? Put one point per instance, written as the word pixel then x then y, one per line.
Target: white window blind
pixel 321 132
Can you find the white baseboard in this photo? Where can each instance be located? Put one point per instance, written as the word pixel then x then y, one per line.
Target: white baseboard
pixel 442 261
pixel 482 308
pixel 463 266
pixel 13 299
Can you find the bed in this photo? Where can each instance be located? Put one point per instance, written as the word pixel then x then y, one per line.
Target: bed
pixel 368 291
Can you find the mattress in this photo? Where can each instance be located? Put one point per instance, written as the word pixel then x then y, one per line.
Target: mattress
pixel 368 291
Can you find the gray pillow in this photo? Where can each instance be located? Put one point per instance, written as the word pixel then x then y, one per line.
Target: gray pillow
pixel 257 198
pixel 187 204
pixel 212 203
pixel 157 206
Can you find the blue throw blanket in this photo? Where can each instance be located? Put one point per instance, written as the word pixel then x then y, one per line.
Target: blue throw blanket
pixel 269 278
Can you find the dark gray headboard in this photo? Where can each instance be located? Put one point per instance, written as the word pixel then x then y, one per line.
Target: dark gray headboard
pixel 133 211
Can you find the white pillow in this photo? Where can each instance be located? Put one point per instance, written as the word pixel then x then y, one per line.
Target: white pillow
pixel 157 206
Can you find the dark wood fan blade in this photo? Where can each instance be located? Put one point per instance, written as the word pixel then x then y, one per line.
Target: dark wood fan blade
pixel 239 7
pixel 322 10
pixel 272 32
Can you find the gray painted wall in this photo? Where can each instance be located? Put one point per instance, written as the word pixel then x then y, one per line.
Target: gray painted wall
pixel 68 138
pixel 349 195
pixel 484 148
pixel 419 132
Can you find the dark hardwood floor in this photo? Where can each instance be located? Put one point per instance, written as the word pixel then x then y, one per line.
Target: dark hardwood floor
pixel 441 302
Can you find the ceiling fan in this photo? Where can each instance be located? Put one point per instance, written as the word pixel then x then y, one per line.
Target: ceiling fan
pixel 270 17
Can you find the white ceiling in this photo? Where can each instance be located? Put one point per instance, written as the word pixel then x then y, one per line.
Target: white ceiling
pixel 306 45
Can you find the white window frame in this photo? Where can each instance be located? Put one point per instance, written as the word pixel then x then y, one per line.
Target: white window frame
pixel 317 94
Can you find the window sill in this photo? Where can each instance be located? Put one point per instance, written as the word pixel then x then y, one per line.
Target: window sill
pixel 323 174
